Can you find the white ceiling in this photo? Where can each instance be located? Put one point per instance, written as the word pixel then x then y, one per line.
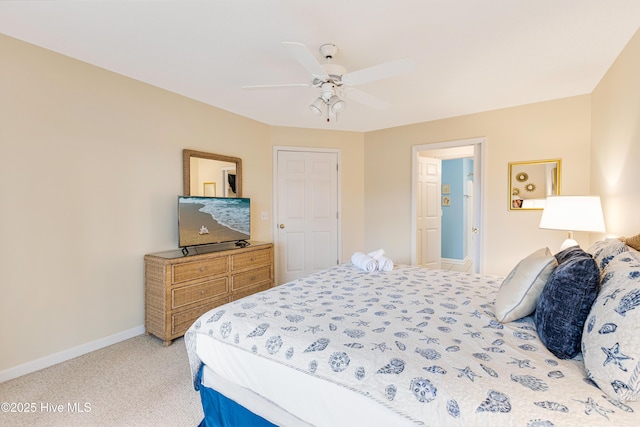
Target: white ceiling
pixel 470 55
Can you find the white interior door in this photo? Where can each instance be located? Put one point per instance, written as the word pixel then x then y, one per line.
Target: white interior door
pixel 429 213
pixel 454 149
pixel 307 213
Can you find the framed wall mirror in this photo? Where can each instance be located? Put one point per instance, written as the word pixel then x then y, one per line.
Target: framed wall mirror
pixel 531 182
pixel 213 174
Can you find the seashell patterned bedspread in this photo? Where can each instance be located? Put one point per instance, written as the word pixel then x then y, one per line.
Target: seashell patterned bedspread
pixel 422 342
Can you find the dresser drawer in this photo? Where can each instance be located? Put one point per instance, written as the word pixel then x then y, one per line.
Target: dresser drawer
pixel 182 320
pixel 179 288
pixel 244 292
pixel 198 269
pixel 250 259
pixel 250 278
pixel 189 294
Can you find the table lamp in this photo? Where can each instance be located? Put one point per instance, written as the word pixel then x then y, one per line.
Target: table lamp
pixel 572 213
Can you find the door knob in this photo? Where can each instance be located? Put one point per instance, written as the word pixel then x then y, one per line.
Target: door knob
pixel 474 230
pixel 281 225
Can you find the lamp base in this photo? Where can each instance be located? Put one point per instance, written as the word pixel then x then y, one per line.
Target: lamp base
pixel 568 243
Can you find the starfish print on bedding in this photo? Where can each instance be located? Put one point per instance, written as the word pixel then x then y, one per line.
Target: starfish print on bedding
pixel 361 323
pixel 474 334
pixel 614 356
pixel 259 315
pixel 590 405
pixel 466 372
pixel 314 329
pixel 382 347
pixel 430 340
pixel 522 363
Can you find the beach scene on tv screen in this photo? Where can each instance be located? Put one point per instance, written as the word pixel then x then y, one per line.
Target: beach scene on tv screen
pixel 213 220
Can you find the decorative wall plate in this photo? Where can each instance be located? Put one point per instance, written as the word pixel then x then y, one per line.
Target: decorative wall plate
pixel 515 192
pixel 530 187
pixel 522 176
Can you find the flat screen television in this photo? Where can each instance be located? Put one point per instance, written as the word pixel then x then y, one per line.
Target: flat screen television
pixel 208 220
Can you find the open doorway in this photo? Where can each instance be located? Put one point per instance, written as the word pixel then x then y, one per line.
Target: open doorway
pixel 455 238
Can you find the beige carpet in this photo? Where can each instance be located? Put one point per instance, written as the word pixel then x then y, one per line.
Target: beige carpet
pixel 137 382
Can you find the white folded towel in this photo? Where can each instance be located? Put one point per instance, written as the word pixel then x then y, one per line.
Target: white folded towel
pixel 363 261
pixel 376 254
pixel 384 263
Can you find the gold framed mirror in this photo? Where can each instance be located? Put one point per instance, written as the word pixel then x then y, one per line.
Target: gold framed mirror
pixel 222 174
pixel 531 182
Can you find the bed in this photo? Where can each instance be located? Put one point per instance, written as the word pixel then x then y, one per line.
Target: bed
pixel 415 346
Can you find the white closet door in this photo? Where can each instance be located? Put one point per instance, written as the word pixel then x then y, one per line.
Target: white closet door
pixel 307 212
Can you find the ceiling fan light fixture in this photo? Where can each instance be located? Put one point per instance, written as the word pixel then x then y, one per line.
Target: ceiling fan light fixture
pixel 337 105
pixel 317 106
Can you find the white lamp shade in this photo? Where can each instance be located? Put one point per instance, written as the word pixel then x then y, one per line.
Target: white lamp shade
pixel 573 213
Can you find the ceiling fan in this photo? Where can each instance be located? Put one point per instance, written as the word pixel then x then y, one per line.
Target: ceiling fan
pixel 335 83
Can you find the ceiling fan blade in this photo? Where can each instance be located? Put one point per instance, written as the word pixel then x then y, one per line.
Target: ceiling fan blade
pixel 277 86
pixel 306 59
pixel 379 72
pixel 365 98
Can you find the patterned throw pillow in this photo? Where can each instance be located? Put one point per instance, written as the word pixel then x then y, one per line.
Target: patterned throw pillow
pixel 519 292
pixel 603 251
pixel 611 342
pixel 565 302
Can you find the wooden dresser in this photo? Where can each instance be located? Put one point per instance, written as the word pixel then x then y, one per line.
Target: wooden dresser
pixel 178 288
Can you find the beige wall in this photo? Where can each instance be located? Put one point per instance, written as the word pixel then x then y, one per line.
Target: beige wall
pixel 90 166
pixel 615 150
pixel 553 129
pixel 351 145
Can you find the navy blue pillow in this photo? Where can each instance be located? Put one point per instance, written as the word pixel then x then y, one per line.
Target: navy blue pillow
pixel 567 254
pixel 565 302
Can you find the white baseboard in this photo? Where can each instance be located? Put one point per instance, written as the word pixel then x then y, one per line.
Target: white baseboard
pixel 54 359
pixel 455 264
pixel 453 261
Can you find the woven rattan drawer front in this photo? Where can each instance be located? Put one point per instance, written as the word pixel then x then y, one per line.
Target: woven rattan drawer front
pixel 250 278
pixel 250 259
pixel 189 294
pixel 181 320
pixel 179 288
pixel 249 291
pixel 198 269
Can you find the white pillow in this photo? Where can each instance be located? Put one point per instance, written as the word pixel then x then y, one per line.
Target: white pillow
pixel 610 339
pixel 520 290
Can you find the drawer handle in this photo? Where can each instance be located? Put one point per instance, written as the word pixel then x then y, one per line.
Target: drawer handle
pixel 253 278
pixel 252 259
pixel 203 268
pixel 203 292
